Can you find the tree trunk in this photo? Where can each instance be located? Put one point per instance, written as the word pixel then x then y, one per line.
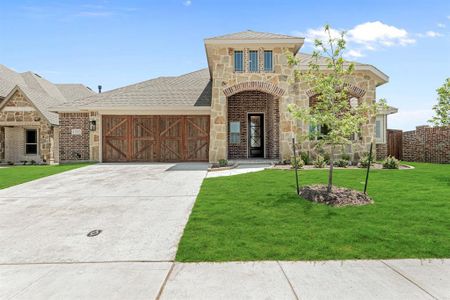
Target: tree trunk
pixel 330 173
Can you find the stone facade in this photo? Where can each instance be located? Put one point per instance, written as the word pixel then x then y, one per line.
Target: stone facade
pixel 279 83
pixel 239 105
pixel 427 144
pixel 74 137
pixel 19 112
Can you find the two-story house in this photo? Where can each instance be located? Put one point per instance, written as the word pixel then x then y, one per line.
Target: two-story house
pixel 237 108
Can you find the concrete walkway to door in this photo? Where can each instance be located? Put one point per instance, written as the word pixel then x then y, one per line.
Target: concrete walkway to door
pixel 139 209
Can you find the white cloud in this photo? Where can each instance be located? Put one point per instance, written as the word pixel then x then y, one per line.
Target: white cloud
pixel 440 25
pixel 319 33
pixel 187 3
pixel 430 34
pixel 433 34
pixel 373 33
pixel 352 53
pixel 369 36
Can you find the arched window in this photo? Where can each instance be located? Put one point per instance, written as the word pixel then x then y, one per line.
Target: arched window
pixel 319 131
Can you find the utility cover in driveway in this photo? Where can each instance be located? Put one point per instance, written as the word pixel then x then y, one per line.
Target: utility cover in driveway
pixel 141 210
pixel 155 138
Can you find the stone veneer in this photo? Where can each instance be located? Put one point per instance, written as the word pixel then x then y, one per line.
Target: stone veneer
pixel 27 116
pixel 73 147
pixel 239 105
pixel 227 82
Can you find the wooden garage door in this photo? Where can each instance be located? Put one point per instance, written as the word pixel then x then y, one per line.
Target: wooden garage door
pixel 155 138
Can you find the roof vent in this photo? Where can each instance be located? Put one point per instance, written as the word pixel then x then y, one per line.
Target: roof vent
pixel 99 89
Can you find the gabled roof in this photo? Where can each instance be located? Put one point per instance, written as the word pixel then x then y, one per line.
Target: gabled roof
pixel 304 59
pixel 189 90
pixel 252 35
pixel 41 92
pixel 74 91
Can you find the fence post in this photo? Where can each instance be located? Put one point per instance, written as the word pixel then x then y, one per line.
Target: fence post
pixel 295 165
pixel 368 168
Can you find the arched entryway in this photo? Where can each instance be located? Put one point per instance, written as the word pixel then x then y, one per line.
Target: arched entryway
pixel 253 125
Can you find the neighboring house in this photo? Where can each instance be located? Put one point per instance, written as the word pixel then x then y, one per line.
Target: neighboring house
pixel 234 109
pixel 28 130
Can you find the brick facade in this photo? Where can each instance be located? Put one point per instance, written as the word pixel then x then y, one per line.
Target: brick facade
pixel 73 146
pixel 427 144
pixel 243 103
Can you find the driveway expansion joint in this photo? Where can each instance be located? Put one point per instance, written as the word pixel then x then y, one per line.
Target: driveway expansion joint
pixel 163 285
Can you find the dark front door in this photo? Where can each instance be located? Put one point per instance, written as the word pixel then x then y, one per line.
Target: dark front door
pixel 256 135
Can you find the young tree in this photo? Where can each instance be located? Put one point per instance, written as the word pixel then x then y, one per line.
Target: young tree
pixel 442 109
pixel 332 108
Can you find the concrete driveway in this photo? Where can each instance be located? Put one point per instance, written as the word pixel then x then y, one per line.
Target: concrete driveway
pixel 141 210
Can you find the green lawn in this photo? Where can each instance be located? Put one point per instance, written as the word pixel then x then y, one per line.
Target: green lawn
pixel 257 216
pixel 19 174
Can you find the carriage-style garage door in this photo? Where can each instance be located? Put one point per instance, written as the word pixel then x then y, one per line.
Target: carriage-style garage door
pixel 155 138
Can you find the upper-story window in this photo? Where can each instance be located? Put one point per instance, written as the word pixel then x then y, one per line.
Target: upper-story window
pixel 268 61
pixel 238 61
pixel 253 61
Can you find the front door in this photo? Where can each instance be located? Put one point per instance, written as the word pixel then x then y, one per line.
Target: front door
pixel 256 135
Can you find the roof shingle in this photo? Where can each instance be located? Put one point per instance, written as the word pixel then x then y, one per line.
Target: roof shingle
pixel 41 92
pixel 252 35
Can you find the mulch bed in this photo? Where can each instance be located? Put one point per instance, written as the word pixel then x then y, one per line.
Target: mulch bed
pixel 338 197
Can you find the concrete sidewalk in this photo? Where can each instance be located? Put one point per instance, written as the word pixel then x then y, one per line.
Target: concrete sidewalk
pixel 388 279
pixel 369 279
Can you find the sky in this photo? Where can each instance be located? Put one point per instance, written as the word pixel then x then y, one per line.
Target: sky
pixel 116 43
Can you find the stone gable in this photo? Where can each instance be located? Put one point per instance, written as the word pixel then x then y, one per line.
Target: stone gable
pixel 19 112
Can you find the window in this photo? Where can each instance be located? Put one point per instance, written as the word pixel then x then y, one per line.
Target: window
pixel 318 132
pixel 235 132
pixel 267 61
pixel 253 61
pixel 31 141
pixel 379 129
pixel 238 61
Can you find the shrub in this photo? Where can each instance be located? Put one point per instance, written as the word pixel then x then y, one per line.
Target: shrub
pixel 306 158
pixel 223 162
pixel 342 163
pixel 391 163
pixel 33 162
pixel 326 158
pixel 346 156
pixel 319 162
pixel 297 162
pixel 364 161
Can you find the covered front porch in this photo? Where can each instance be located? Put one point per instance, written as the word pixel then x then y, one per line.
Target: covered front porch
pixel 253 126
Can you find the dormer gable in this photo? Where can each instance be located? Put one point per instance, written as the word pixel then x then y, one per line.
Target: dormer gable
pixel 251 51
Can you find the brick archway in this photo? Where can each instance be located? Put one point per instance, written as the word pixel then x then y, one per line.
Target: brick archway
pixel 353 91
pixel 253 102
pixel 259 86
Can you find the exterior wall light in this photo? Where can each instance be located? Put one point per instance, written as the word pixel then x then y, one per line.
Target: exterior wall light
pixel 92 125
